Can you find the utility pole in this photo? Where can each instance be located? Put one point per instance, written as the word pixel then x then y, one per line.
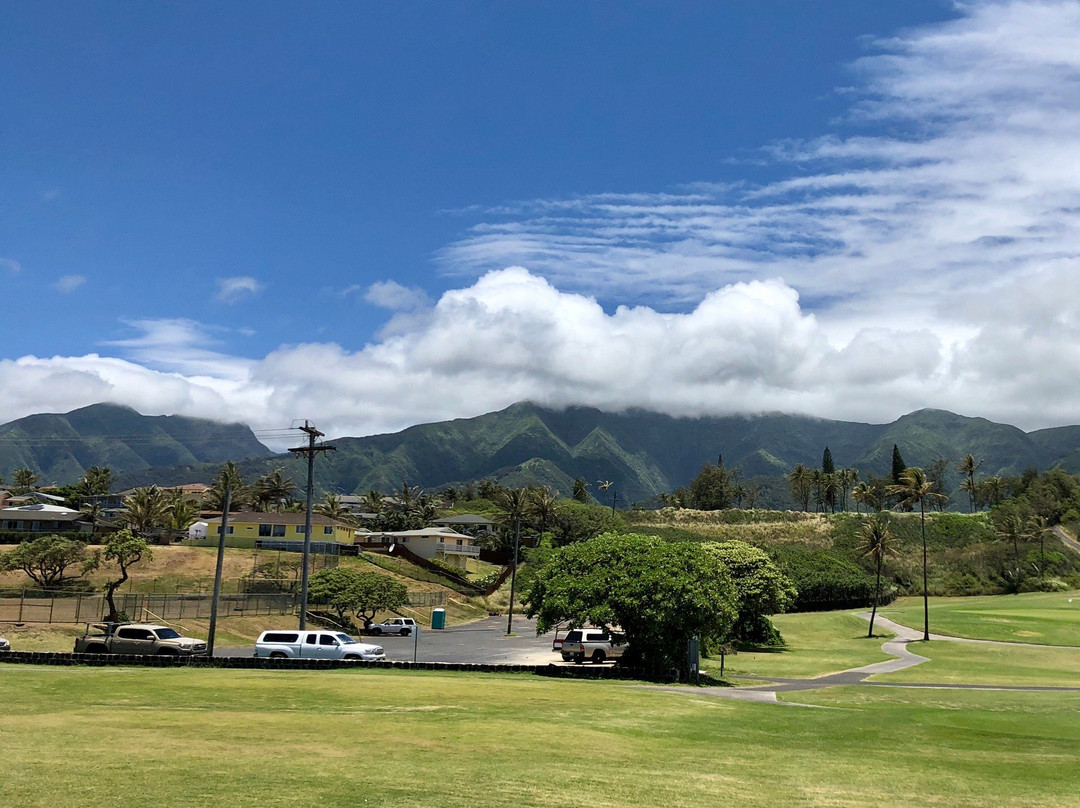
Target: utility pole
pixel 308 452
pixel 513 576
pixel 217 570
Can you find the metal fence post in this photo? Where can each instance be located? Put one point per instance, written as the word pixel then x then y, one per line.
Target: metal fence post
pixel 22 599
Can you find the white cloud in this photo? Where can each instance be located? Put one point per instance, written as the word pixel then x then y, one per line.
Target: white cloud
pixel 392 295
pixel 69 283
pixel 11 265
pixel 235 289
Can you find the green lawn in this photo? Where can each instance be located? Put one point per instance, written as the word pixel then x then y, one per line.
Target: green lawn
pixel 970 663
pixel 118 737
pixel 1035 617
pixel 817 643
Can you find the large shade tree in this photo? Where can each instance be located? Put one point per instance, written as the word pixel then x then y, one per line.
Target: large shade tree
pixel 762 590
pixel 359 592
pixel 46 560
pixel 659 593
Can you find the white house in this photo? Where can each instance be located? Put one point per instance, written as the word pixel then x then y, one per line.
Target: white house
pixel 439 543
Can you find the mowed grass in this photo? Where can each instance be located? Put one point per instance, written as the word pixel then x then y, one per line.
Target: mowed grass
pixel 971 663
pixel 816 644
pixel 117 737
pixel 1050 618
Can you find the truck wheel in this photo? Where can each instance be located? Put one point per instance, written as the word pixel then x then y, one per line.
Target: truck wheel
pixel 405 632
pixel 352 658
pixel 97 649
pixel 598 657
pixel 375 632
pixel 278 655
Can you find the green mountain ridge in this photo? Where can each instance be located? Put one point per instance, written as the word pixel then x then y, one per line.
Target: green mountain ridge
pixel 642 453
pixel 59 448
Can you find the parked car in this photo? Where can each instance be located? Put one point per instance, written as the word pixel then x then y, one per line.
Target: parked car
pixel 141 639
pixel 594 644
pixel 277 644
pixel 395 625
pixel 4 645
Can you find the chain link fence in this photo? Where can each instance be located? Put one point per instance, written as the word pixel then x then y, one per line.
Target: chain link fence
pixel 35 606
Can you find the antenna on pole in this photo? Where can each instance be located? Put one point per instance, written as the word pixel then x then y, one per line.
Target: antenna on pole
pixel 308 452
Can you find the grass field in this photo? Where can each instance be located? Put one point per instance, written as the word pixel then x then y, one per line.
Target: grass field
pixel 118 737
pixel 1036 617
pixel 817 643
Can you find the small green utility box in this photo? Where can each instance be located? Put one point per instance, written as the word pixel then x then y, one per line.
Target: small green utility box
pixel 438 618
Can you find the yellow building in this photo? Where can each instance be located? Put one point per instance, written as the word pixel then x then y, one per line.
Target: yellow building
pixel 287 526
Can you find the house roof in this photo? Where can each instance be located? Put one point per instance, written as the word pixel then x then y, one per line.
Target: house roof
pixel 51 512
pixel 464 519
pixel 435 532
pixel 260 518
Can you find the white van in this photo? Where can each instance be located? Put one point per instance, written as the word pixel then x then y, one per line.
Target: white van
pixel 278 644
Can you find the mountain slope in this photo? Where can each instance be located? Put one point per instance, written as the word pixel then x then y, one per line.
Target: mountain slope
pixel 59 448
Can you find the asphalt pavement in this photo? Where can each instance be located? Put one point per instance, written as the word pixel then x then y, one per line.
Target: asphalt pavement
pixel 482 642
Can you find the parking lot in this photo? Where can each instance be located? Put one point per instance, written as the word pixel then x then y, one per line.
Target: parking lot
pixel 482 642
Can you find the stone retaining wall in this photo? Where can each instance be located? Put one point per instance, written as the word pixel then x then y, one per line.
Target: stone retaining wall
pixel 258 663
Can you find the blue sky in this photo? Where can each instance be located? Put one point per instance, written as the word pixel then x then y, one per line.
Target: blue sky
pixel 372 215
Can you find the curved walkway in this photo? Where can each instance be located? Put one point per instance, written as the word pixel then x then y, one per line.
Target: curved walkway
pixel 902 659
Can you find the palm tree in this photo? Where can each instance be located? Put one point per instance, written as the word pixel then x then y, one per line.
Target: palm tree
pixel 331 506
pixel 847 478
pixel 801 485
pixel 876 541
pixel 24 480
pixel 542 506
pixel 372 502
pixel 94 511
pixel 968 466
pixel 180 512
pixel 145 511
pixel 273 490
pixel 863 494
pixel 993 491
pixel 914 488
pixel 96 480
pixel 228 479
pixel 1016 523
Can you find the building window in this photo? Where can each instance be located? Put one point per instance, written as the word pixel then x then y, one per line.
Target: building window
pixel 328 530
pixel 300 529
pixel 264 530
pixel 460 542
pixel 279 530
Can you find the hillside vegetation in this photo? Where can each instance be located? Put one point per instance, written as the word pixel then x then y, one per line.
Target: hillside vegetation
pixel 820 552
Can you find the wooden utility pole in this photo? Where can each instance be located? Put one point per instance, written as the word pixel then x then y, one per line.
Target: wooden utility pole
pixel 308 452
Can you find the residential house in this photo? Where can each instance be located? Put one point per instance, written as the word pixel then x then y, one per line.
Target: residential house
pixel 42 518
pixel 439 543
pixel 253 525
pixel 469 523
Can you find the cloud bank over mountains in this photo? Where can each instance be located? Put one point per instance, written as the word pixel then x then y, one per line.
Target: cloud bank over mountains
pixel 928 254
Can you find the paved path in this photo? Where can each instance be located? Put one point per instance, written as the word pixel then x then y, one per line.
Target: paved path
pixel 902 659
pixel 1066 539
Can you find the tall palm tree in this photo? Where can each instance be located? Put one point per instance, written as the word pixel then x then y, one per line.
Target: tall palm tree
pixel 228 479
pixel 876 541
pixel 541 505
pixel 968 465
pixel 847 477
pixel 96 480
pixel 24 480
pixel 145 511
pixel 863 494
pixel 180 512
pixel 915 489
pixel 331 506
pixel 993 491
pixel 273 490
pixel 801 485
pixel 93 511
pixel 372 501
pixel 1016 523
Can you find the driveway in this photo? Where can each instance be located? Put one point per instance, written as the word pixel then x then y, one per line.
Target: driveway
pixel 483 642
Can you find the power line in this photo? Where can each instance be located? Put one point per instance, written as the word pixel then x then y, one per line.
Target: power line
pixel 309 452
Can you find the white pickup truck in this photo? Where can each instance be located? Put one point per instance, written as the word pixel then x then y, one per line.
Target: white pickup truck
pixel 593 644
pixel 284 644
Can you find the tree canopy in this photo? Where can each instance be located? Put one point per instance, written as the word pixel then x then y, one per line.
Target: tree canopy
pixel 658 593
pixel 761 587
pixel 46 559
pixel 359 592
